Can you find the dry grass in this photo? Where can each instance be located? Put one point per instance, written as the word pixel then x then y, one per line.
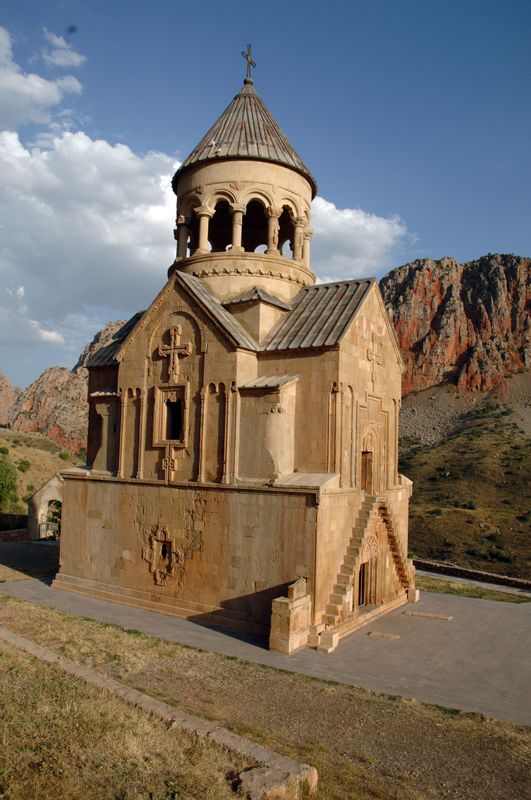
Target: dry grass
pixel 43 457
pixel 364 744
pixel 439 586
pixel 63 739
pixel 471 502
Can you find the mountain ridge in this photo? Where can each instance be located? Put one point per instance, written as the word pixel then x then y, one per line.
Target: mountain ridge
pixel 465 327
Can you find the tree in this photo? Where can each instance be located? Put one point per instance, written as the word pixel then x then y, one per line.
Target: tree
pixel 8 484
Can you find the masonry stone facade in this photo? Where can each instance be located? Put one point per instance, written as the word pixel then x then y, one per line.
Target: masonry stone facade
pixel 243 430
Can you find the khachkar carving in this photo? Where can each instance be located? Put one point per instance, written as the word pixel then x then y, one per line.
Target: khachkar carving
pixel 174 351
pixel 163 555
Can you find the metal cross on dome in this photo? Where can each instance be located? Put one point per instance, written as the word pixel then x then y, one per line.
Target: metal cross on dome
pixel 250 62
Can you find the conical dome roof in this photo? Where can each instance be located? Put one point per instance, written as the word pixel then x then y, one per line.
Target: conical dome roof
pixel 247 130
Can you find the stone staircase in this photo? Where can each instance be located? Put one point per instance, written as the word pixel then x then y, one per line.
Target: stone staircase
pixel 401 561
pixel 336 608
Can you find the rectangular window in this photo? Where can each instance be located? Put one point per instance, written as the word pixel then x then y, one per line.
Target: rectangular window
pixel 174 420
pixel 170 421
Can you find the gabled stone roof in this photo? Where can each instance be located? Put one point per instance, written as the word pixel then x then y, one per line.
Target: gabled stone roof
pixel 213 308
pixel 105 356
pixel 319 315
pixel 247 130
pixel 257 295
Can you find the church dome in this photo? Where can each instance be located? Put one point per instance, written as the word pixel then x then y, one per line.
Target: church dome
pixel 246 130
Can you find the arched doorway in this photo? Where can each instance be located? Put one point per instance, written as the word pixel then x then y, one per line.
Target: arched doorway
pixel 367 575
pixel 50 526
pixel 367 464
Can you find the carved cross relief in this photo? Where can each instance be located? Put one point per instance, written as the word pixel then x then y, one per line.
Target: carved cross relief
pixel 163 555
pixel 376 357
pixel 174 351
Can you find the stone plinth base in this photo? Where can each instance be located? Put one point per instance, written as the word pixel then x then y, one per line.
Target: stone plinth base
pixel 290 619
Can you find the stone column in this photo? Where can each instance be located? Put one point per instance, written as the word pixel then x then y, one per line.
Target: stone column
pixel 297 238
pixel 308 233
pixel 237 223
pixel 141 434
pixel 121 447
pixel 272 230
pixel 182 233
pixel 205 214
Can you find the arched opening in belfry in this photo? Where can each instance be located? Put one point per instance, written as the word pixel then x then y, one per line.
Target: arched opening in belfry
pixel 220 228
pixel 286 231
pixel 255 226
pixel 193 241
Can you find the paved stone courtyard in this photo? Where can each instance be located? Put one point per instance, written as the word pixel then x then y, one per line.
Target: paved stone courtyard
pixel 478 661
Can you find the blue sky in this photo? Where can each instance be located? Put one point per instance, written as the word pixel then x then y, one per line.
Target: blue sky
pixel 413 116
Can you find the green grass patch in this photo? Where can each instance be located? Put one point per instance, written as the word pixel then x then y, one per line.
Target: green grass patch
pixel 439 586
pixel 471 496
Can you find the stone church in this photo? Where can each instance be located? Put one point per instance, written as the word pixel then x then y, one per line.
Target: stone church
pixel 243 430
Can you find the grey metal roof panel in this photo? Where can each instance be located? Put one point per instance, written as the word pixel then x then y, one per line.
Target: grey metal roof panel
pixel 320 315
pixel 247 130
pixel 257 294
pixel 215 310
pixel 269 382
pixel 105 356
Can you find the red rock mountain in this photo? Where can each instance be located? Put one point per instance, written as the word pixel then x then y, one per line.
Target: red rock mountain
pixel 8 395
pixel 467 324
pixel 463 323
pixel 56 403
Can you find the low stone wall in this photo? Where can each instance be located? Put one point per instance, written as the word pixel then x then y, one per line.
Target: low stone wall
pixel 473 574
pixel 11 522
pixel 19 535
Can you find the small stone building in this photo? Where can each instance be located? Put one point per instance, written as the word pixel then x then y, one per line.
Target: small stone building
pixel 243 430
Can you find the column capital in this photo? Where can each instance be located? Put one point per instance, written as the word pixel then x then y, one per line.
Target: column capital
pixel 308 233
pixel 299 221
pixel 204 211
pixel 182 220
pixel 271 211
pixel 238 207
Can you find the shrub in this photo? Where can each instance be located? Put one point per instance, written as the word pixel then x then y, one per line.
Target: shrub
pixel 8 484
pixel 64 455
pixel 24 465
pixel 4 451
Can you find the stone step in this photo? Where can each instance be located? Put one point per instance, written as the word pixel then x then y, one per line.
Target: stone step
pixel 353 551
pixel 340 589
pixel 329 619
pixel 349 561
pixel 337 599
pixel 344 578
pixel 333 609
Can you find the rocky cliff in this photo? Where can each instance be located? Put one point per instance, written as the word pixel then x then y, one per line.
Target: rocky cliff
pixel 8 396
pixel 56 403
pixel 466 324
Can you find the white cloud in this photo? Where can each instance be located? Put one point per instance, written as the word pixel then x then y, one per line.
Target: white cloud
pixel 60 53
pixel 27 97
pixel 85 225
pixel 352 243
